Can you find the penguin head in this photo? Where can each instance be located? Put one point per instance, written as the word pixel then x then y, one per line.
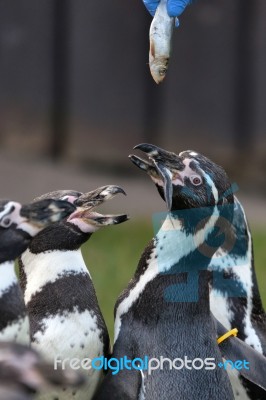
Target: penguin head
pixel 84 217
pixel 184 181
pixel 20 223
pixel 73 231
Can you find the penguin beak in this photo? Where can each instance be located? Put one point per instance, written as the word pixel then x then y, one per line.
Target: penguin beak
pixel 88 201
pixel 44 212
pixel 159 166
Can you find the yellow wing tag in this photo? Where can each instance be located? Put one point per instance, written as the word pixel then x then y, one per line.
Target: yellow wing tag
pixel 233 332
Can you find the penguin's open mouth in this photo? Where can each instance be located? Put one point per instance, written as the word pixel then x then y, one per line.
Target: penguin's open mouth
pixel 159 167
pixel 87 202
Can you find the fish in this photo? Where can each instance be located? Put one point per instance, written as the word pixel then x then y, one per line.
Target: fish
pixel 161 32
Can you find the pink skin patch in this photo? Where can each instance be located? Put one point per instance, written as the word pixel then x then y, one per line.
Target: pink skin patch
pixel 70 199
pixel 178 177
pixel 83 226
pixel 81 221
pixel 157 181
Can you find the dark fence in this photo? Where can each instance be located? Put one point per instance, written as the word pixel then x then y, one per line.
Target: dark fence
pixel 75 82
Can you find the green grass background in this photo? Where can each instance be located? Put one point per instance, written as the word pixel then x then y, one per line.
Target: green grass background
pixel 113 253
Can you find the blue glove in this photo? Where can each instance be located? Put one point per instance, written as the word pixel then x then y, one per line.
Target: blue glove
pixel 174 7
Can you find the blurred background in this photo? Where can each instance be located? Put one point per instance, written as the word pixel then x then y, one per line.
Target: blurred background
pixel 76 95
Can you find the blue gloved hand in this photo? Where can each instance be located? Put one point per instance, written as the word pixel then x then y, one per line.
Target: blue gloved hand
pixel 174 7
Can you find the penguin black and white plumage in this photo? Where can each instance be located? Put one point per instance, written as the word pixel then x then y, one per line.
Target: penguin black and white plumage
pixel 23 373
pixel 244 311
pixel 18 224
pixel 234 297
pixel 65 319
pixel 165 311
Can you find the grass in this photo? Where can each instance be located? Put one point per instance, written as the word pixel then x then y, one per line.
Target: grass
pixel 259 240
pixel 112 256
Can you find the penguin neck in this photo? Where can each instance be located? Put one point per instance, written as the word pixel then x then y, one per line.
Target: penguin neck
pixel 60 236
pixel 168 276
pixel 37 270
pixel 179 264
pixel 175 250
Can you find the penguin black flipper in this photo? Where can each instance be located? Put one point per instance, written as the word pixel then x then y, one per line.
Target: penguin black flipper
pixel 125 386
pixel 235 349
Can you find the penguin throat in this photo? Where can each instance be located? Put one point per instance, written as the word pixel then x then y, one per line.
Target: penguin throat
pixel 170 261
pixel 174 246
pixel 47 267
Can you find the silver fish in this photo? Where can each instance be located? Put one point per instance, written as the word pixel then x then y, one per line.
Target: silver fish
pixel 161 32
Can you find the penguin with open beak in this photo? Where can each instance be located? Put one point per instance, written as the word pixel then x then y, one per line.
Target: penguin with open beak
pixel 164 313
pixel 18 224
pixel 234 294
pixel 66 322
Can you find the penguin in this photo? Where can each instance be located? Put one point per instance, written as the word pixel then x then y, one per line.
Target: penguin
pixel 66 322
pixel 163 315
pixel 18 224
pixel 234 296
pixel 239 304
pixel 23 373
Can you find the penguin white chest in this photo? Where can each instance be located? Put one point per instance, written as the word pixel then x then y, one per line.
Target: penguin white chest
pixel 64 316
pixel 68 338
pixel 18 331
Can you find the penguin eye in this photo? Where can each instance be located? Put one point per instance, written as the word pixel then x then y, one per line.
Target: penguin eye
pixel 196 180
pixel 6 222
